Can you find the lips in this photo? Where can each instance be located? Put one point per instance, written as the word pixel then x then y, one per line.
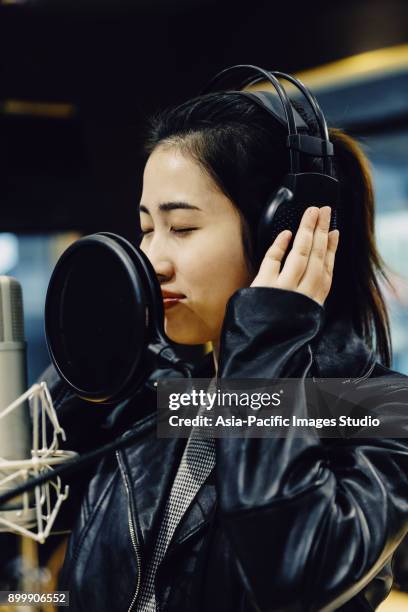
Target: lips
pixel 171 299
pixel 172 295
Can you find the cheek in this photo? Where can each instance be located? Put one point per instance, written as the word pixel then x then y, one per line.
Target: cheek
pixel 209 271
pixel 216 271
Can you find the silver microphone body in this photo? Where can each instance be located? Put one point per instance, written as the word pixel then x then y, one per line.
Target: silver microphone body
pixel 15 427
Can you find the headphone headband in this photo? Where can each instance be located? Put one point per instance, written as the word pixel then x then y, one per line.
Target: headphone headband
pixel 284 112
pixel 271 103
pixel 283 96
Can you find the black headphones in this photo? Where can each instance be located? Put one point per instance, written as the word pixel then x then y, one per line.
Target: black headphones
pixel 299 189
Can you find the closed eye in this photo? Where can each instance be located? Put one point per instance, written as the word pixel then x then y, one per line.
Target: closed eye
pixel 181 230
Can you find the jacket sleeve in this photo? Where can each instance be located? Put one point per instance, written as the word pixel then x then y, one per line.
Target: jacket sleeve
pixel 311 523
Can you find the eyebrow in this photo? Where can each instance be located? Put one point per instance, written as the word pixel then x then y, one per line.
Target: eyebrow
pixel 168 206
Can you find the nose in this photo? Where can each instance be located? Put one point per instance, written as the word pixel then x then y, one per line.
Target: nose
pixel 160 259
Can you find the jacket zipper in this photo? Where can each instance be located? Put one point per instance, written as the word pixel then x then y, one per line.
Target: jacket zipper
pixel 132 530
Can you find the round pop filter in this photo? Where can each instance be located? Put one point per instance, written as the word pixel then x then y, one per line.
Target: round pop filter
pixel 103 307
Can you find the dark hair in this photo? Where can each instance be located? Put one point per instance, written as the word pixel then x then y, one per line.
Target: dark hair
pixel 243 149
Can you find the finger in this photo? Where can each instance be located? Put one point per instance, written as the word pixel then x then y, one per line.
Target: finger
pixel 315 265
pixel 319 245
pixel 327 277
pixel 274 255
pixel 332 245
pixel 296 262
pixel 271 263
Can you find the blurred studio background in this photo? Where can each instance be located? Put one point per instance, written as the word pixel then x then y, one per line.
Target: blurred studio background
pixel 79 77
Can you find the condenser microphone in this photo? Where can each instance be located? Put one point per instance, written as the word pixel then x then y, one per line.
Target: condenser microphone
pixel 15 429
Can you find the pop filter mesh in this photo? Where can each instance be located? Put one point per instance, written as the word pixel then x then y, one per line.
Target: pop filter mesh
pixel 95 319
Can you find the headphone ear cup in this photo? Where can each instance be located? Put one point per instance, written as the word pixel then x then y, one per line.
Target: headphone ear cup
pixel 287 217
pixel 281 213
pixel 285 209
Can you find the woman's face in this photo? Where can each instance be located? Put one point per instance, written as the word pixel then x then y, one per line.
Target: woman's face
pixel 192 236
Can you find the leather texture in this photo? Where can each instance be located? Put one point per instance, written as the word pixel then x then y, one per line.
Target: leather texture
pixel 283 524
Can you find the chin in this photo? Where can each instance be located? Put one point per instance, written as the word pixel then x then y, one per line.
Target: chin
pixel 185 339
pixel 185 336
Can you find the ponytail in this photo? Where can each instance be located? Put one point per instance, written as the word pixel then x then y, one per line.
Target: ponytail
pixel 359 268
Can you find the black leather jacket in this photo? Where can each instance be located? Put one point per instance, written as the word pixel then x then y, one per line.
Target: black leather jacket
pixel 293 524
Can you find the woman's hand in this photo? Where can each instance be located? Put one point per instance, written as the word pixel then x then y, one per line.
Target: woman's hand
pixel 308 268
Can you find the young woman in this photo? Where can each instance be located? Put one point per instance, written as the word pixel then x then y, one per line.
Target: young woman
pixel 294 523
